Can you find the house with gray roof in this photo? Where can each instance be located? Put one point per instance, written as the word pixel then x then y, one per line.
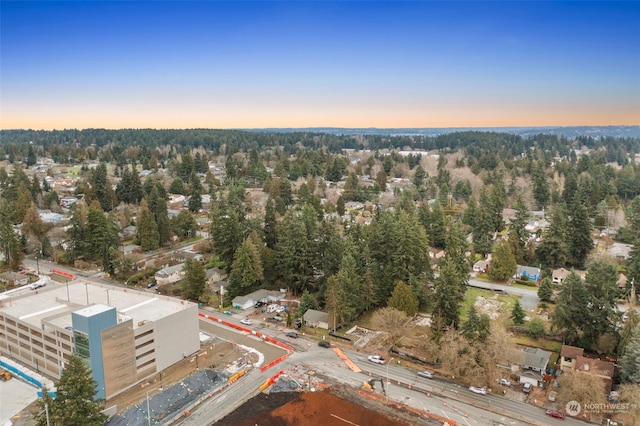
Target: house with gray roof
pixel 249 300
pixel 170 274
pixel 313 318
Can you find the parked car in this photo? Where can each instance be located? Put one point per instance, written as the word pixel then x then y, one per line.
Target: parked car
pixel 555 414
pixel 280 309
pixel 324 344
pixel 425 374
pixel 553 395
pixel 527 388
pixel 376 358
pixel 272 308
pixel 504 382
pixel 480 391
pixel 292 334
pixel 151 284
pixel 245 321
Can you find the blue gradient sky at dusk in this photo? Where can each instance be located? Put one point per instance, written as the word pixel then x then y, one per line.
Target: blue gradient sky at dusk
pixel 302 64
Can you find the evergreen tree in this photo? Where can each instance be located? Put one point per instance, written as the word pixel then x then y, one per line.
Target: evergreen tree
pixel 580 242
pixel 451 284
pixel 438 229
pixel 77 232
pixel 337 303
pixel 10 245
pixel 482 225
pixel 477 327
pixel 351 283
pixel 177 186
pixel 540 184
pixel 571 308
pixel 101 189
pixel 270 225
pixel 194 279
pixel 148 235
pixel 31 156
pixel 403 299
pixel 503 263
pixel 517 314
pixel 75 402
pixel 307 301
pixel 158 206
pixel 330 248
pixel 602 295
pixel 226 231
pixel 340 206
pixel 545 292
pixel 184 225
pixel 246 272
pixel 629 364
pixel 101 235
pixel 517 232
pixel 553 250
pixel 293 252
pixel 32 224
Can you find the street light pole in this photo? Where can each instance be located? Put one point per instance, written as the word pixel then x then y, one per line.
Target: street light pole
pixel 386 392
pixel 148 411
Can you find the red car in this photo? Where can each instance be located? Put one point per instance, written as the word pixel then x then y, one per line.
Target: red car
pixel 556 414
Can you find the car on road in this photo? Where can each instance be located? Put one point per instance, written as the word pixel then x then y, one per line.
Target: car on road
pixel 554 414
pixel 324 344
pixel 480 391
pixel 37 285
pixel 292 334
pixel 425 374
pixel 376 358
pixel 504 382
pixel 245 321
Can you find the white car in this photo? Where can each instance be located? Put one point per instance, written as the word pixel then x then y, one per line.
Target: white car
pixel 504 382
pixel 272 308
pixel 481 391
pixel 426 374
pixel 376 358
pixel 280 309
pixel 245 321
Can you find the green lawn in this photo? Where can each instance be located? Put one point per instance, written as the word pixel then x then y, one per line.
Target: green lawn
pixel 546 344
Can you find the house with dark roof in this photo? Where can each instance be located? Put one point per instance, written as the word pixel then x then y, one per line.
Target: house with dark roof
pixel 568 357
pixel 12 278
pixel 604 370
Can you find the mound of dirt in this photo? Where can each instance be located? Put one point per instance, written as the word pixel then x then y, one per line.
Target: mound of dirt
pixel 315 408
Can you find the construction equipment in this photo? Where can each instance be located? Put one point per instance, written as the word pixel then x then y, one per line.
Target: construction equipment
pixel 370 385
pixel 5 375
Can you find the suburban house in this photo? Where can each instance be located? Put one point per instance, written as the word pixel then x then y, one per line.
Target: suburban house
pixel 481 266
pixel 176 198
pixel 11 278
pixel 558 275
pixel 318 319
pixel 568 357
pixel 533 363
pixel 249 300
pixel 532 274
pixel 170 274
pixel 602 369
pixel 215 275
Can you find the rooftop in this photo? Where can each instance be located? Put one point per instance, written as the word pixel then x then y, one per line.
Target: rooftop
pixel 51 304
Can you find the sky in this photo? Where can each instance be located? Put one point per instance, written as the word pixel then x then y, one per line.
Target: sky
pixel 241 64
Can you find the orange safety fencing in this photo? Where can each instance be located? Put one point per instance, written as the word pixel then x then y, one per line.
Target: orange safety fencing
pixel 64 274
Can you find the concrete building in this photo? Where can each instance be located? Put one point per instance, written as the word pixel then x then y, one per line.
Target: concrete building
pixel 124 335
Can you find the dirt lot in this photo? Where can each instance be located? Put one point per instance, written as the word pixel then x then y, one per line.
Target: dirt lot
pixel 336 406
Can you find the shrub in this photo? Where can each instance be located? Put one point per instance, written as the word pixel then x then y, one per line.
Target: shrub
pixel 536 328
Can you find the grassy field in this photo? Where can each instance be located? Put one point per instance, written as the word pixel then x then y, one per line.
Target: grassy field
pixel 546 344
